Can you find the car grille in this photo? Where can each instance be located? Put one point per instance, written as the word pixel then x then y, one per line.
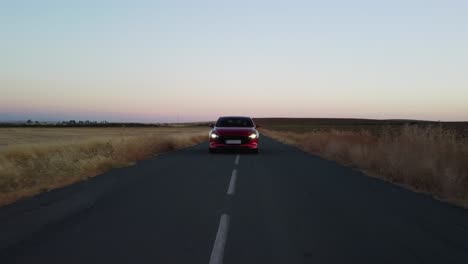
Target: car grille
pixel 243 139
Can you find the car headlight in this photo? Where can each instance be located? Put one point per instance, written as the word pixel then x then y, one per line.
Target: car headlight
pixel 213 136
pixel 253 136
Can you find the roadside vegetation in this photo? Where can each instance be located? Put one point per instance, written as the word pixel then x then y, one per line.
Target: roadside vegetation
pixel 28 169
pixel 425 158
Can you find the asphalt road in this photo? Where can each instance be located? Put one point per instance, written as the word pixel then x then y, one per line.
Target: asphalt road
pixel 188 206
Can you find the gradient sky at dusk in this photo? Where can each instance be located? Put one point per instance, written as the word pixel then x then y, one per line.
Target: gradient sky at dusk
pixel 153 60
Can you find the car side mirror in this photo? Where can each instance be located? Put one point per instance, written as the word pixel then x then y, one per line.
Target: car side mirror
pixel 212 125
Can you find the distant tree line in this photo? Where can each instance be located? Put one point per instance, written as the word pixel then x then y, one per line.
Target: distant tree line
pixel 77 123
pixel 88 123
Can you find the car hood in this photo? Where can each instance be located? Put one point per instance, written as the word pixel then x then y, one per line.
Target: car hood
pixel 234 131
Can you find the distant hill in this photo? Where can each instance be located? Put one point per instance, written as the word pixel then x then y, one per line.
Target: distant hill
pixel 307 124
pixel 336 121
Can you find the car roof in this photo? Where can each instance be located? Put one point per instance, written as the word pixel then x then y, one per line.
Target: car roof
pixel 235 117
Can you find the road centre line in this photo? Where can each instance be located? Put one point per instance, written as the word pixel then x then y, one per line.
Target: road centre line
pixel 232 183
pixel 217 254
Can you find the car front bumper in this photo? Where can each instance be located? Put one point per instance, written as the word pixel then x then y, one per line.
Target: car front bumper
pixel 253 144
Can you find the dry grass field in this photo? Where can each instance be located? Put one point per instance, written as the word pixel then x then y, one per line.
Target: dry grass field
pixel 423 157
pixel 24 136
pixel 34 160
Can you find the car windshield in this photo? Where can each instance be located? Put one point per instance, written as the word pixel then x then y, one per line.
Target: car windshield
pixel 234 122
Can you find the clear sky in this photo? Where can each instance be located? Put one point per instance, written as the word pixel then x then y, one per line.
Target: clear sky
pixel 153 60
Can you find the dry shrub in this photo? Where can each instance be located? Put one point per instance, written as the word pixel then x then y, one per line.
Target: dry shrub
pixel 430 159
pixel 28 169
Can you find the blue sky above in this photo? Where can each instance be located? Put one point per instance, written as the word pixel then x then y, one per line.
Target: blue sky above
pixel 154 60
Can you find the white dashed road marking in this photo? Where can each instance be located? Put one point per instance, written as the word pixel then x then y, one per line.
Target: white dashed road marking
pixel 217 253
pixel 232 183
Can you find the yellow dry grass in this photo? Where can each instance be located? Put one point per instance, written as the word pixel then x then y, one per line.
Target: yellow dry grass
pixel 31 135
pixel 428 159
pixel 27 169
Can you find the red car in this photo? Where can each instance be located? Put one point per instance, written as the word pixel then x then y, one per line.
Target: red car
pixel 235 133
